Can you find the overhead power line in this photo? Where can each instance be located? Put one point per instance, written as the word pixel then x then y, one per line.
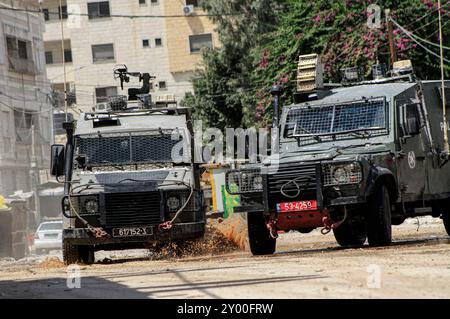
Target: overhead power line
pixel 411 36
pixel 128 16
pixel 427 14
pixel 24 110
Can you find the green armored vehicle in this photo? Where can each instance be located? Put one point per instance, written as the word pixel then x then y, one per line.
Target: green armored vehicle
pixel 355 159
pixel 126 186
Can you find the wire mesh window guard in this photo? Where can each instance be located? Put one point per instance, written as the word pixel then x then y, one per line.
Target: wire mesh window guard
pixel 134 148
pixel 309 122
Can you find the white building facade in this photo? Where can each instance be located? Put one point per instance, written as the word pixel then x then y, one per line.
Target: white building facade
pixel 25 98
pixel 96 40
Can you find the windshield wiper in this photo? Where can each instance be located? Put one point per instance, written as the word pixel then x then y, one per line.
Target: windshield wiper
pixel 362 133
pixel 114 165
pixel 316 137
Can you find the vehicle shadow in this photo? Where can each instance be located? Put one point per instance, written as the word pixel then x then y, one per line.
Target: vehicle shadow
pixel 204 287
pixel 57 288
pixel 366 247
pixel 100 288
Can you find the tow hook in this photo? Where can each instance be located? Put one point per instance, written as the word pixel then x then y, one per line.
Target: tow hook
pixel 99 232
pixel 272 227
pixel 329 224
pixel 165 226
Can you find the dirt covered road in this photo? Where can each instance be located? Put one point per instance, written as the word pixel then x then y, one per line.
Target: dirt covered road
pixel 417 265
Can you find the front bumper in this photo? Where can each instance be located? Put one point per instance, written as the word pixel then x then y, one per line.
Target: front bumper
pixel 82 236
pixel 48 244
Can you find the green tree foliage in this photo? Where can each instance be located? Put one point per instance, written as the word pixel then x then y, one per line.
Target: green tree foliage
pixel 224 90
pixel 234 88
pixel 338 30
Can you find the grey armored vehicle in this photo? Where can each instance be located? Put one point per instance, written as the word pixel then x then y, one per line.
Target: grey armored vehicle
pixel 129 177
pixel 355 159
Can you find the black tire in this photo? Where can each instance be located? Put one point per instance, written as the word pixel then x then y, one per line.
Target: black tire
pixel 259 237
pixel 351 233
pixel 446 219
pixel 87 255
pixel 39 251
pixel 70 252
pixel 379 224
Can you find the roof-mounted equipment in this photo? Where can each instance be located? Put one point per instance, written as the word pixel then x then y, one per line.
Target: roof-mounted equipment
pixel 309 73
pixel 403 67
pixel 352 75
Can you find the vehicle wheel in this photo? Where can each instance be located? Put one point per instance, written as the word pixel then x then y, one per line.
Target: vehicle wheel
pixel 87 255
pixel 350 233
pixel 446 219
pixel 39 251
pixel 379 224
pixel 70 252
pixel 260 241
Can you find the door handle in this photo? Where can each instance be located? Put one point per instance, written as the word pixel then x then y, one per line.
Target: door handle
pixel 400 154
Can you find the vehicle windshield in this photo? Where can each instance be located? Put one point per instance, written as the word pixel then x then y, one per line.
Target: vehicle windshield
pixel 125 149
pixel 346 120
pixel 51 226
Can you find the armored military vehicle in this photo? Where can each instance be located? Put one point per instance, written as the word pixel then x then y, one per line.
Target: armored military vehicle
pixel 129 178
pixel 354 158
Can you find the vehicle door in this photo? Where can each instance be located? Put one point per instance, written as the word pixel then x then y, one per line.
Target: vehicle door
pixel 411 149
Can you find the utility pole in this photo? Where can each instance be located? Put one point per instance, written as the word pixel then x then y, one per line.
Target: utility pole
pixel 444 102
pixel 34 173
pixel 63 58
pixel 391 38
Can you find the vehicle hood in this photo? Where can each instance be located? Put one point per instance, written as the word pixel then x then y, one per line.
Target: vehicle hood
pixel 85 183
pixel 315 154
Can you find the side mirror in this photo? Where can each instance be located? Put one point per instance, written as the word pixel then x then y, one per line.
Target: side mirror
pixel 57 160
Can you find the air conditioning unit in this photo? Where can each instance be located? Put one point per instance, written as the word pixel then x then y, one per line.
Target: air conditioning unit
pixel 102 108
pixel 309 73
pixel 188 10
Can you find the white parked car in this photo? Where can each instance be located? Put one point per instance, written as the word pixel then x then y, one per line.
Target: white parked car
pixel 48 236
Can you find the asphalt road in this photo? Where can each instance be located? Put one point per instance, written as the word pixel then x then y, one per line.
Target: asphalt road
pixel 417 265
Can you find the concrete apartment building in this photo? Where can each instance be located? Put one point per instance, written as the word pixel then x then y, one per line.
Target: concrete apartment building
pixel 24 98
pixel 95 40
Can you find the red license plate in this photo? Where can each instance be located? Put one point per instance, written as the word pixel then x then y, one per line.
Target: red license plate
pixel 301 206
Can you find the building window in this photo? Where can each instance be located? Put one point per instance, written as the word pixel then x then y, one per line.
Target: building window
pixel 62 12
pixel 20 55
pixel 68 56
pixel 46 14
pixel 158 42
pixel 24 121
pixel 199 41
pixel 194 3
pixel 101 94
pixel 102 52
pixel 48 57
pixel 145 43
pixel 142 1
pixel 22 49
pixel 154 1
pixel 162 85
pixel 98 10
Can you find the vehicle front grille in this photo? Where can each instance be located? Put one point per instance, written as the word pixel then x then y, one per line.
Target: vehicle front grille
pixel 292 182
pixel 132 209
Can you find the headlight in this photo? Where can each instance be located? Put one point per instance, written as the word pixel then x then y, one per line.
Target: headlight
pixel 173 203
pixel 89 205
pixel 342 174
pixel 244 181
pixel 258 183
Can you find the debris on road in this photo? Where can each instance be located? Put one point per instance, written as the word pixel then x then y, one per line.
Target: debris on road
pixel 214 243
pixel 52 262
